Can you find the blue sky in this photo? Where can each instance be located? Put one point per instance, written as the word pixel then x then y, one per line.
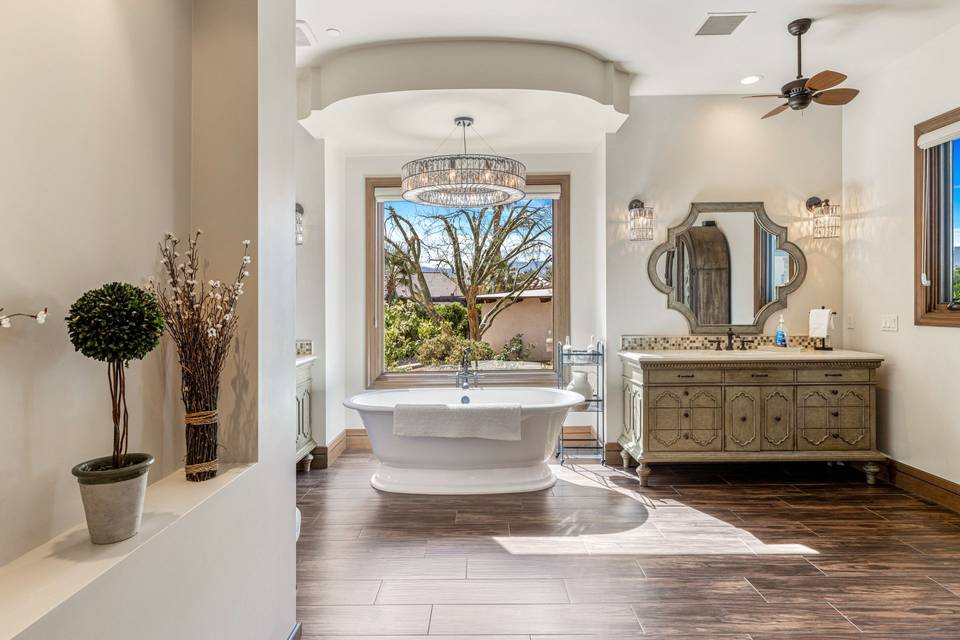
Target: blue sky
pixel 419 215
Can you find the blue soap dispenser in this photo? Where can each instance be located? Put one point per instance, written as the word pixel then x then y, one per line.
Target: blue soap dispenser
pixel 781 338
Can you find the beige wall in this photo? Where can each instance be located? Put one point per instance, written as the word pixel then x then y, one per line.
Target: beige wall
pixel 918 420
pixel 532 318
pixel 94 168
pixel 310 317
pixel 103 167
pixel 675 150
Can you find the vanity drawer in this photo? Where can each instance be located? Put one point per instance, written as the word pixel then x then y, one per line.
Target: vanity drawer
pixel 833 375
pixel 758 376
pixel 684 376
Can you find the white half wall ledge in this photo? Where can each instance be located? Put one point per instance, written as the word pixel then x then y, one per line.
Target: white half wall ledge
pixel 38 582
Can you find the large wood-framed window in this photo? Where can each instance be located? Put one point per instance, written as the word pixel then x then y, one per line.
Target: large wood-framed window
pixel 530 296
pixel 937 220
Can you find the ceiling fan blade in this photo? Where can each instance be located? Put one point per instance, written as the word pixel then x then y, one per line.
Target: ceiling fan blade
pixel 825 80
pixel 765 95
pixel 836 97
pixel 776 111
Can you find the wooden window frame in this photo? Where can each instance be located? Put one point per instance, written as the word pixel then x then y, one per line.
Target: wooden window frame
pixel 377 377
pixel 928 311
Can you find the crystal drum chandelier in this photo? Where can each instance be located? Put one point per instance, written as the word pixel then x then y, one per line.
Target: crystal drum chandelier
pixel 464 179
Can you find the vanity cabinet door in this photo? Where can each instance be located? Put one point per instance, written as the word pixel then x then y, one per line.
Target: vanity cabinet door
pixel 776 423
pixel 304 434
pixel 685 419
pixel 632 411
pixel 742 412
pixel 663 412
pixel 833 418
pixel 813 417
pixel 703 425
pixel 853 417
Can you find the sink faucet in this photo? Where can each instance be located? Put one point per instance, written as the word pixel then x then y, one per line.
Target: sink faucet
pixel 464 375
pixel 730 336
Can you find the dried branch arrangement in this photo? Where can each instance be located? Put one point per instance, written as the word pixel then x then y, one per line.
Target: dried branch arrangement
pixel 201 317
pixel 5 320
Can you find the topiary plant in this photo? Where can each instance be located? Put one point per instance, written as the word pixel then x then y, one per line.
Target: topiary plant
pixel 115 324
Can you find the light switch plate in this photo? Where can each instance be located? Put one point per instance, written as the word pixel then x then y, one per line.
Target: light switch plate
pixel 850 324
pixel 890 322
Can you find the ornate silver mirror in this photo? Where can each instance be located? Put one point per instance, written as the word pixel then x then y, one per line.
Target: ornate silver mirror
pixel 727 266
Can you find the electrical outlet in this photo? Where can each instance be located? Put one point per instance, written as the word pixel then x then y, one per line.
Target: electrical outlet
pixel 850 324
pixel 889 323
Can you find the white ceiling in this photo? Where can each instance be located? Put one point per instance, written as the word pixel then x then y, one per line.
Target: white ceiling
pixel 654 38
pixel 510 121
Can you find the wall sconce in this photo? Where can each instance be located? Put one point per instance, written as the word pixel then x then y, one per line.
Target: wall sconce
pixel 826 217
pixel 299 224
pixel 640 221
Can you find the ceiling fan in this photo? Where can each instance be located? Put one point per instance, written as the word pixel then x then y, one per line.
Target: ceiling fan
pixel 801 92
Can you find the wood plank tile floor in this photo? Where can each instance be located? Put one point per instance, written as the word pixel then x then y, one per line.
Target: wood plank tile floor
pixel 729 552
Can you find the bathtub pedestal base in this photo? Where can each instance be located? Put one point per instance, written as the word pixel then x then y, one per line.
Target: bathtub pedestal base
pixel 463 481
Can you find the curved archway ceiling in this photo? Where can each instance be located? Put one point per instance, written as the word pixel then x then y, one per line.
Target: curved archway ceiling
pixel 525 97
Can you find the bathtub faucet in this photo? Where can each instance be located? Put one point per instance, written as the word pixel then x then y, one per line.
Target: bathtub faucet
pixel 465 376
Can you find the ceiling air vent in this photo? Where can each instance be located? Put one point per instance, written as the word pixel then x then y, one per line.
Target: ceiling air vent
pixel 721 24
pixel 305 37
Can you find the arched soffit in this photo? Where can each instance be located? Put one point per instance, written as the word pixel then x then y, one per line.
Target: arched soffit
pixel 459 65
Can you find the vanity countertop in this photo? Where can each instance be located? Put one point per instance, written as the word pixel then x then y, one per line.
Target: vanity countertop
pixel 302 360
pixel 763 354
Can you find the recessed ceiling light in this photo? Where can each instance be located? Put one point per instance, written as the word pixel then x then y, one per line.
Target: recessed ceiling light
pixel 333 33
pixel 751 79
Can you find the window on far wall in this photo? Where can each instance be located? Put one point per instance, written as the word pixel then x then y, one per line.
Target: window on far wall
pixel 443 280
pixel 938 220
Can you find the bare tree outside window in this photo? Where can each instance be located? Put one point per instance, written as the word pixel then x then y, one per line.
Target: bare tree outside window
pixel 461 271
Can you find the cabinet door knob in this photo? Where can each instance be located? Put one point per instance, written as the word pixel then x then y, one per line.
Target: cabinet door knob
pixel 686 436
pixel 743 418
pixel 686 415
pixel 686 393
pixel 835 391
pixel 776 418
pixel 835 435
pixel 835 414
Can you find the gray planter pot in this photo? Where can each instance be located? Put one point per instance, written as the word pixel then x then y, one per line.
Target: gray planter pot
pixel 113 498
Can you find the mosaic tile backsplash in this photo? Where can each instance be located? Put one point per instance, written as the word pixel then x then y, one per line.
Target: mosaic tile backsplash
pixel 693 343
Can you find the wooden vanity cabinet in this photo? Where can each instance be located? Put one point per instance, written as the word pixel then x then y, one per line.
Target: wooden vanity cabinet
pixel 734 410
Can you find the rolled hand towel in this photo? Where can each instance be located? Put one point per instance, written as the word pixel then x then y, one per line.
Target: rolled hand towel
pixel 487 421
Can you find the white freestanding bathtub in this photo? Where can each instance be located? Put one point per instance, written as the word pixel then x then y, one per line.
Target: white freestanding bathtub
pixel 435 465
